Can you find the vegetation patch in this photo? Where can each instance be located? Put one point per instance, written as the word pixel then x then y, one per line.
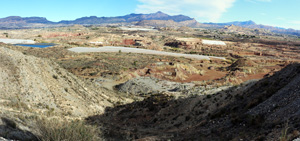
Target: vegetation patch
pixel 55 130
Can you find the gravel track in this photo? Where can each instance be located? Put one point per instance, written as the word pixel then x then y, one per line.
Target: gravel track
pixel 143 51
pixel 17 41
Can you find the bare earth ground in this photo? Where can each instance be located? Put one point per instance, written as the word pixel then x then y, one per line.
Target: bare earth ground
pixel 180 91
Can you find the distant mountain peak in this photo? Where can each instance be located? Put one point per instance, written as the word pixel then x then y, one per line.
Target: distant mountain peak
pixel 159 12
pixel 236 23
pixel 243 23
pixel 13 18
pixel 250 22
pixel 21 20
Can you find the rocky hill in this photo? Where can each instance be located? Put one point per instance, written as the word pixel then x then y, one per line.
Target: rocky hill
pixel 93 20
pixel 236 23
pixel 16 19
pixel 252 25
pixel 169 23
pixel 155 16
pixel 16 22
pixel 32 88
pixel 263 110
pixel 42 85
pixel 158 23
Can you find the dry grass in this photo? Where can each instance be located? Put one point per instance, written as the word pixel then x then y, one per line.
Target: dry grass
pixel 55 130
pixel 284 133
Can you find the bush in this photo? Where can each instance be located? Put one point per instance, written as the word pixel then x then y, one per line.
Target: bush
pixel 54 76
pixel 54 130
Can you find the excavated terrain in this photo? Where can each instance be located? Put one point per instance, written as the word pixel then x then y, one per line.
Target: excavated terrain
pixel 254 111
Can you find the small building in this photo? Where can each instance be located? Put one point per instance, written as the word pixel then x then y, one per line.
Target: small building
pixel 97 43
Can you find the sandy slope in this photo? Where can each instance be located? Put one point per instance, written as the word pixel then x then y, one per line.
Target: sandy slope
pixel 42 85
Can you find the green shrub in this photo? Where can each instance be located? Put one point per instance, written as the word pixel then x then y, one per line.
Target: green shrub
pixel 55 76
pixel 208 96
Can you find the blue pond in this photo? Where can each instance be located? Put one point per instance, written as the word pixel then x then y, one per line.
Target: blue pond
pixel 42 45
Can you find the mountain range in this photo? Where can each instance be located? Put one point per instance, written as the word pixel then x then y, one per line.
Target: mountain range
pixel 158 19
pixel 92 20
pixel 253 25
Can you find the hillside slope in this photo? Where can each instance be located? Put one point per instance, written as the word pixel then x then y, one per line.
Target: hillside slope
pixel 42 86
pixel 254 111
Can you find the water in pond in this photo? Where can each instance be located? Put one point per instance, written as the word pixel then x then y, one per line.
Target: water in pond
pixel 42 45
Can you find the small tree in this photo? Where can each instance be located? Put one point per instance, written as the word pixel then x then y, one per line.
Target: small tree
pixel 6 35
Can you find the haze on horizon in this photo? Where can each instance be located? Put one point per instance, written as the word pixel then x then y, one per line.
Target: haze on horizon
pixel 268 12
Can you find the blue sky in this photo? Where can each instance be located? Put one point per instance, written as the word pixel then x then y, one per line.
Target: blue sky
pixel 282 13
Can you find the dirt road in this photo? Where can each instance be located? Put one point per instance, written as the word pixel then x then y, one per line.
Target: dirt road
pixel 143 51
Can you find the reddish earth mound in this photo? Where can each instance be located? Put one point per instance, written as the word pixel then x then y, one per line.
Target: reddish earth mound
pixel 179 72
pixel 243 63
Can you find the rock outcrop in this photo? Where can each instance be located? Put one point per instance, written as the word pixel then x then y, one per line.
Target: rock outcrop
pixel 150 85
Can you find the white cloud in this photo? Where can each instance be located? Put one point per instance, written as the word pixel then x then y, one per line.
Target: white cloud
pixel 288 23
pixel 294 22
pixel 204 10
